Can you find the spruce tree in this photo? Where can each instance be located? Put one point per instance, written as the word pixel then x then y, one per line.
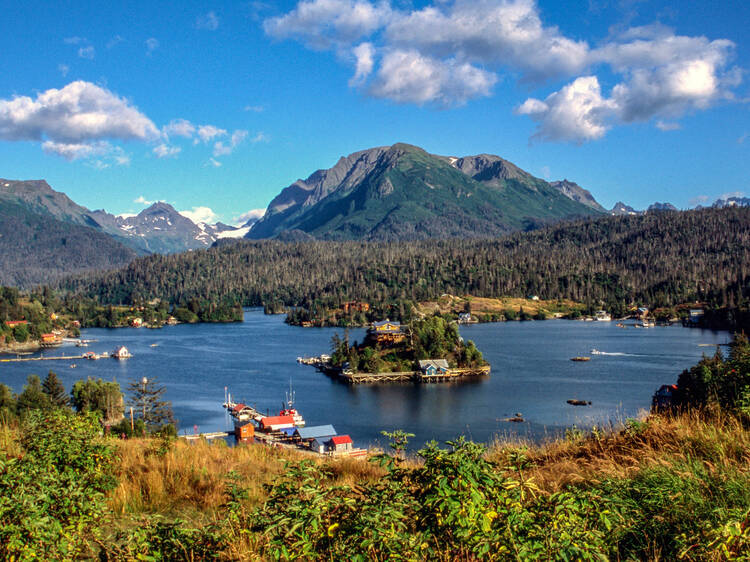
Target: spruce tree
pixel 147 403
pixel 53 388
pixel 32 397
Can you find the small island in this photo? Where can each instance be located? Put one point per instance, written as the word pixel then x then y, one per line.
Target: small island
pixel 426 350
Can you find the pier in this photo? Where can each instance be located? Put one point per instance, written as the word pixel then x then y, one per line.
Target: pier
pixel 60 358
pixel 413 376
pixel 207 436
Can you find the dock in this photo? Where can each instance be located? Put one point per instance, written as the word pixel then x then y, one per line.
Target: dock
pixel 61 358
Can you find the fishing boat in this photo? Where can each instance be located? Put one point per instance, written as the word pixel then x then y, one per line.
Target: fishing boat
pixel 580 358
pixel 287 408
pixel 574 402
pixel 596 352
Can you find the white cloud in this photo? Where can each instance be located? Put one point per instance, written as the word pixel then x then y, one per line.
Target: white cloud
pixel 546 173
pixel 742 138
pixel 577 113
pixel 74 40
pixel 667 126
pixel 88 52
pixel 365 55
pixel 255 108
pixel 208 132
pixel 252 214
pixel 213 162
pixel 141 200
pixel 322 23
pixel 152 44
pixel 408 77
pixel 698 200
pixel 449 51
pixel 260 136
pixel 164 150
pixel 179 128
pixel 81 112
pixel 208 21
pixel 200 214
pixel 76 151
pixel 725 196
pixel 221 149
pixel 64 69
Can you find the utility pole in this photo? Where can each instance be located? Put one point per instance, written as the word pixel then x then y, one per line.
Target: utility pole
pixel 144 380
pixel 132 425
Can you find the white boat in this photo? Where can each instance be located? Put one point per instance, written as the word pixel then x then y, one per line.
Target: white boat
pixel 289 410
pixel 602 316
pixel 596 352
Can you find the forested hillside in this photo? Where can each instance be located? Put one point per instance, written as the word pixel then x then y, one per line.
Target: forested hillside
pixel 38 249
pixel 659 259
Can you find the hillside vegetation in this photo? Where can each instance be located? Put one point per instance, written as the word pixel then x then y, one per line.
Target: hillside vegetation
pixel 659 259
pixel 674 486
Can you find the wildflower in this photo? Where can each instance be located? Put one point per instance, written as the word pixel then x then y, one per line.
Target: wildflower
pixel 332 529
pixel 491 515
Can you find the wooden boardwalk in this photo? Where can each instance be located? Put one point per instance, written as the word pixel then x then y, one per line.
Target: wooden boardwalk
pixel 62 358
pixel 212 435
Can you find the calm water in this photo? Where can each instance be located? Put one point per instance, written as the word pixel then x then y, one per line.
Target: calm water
pixel 531 374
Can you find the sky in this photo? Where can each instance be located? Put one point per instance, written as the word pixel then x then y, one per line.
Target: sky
pixel 215 107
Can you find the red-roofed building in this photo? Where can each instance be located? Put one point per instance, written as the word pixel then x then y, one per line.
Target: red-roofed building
pixel 13 323
pixel 340 444
pixel 275 423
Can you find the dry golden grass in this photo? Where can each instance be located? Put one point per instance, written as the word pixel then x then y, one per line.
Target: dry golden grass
pixel 718 442
pixel 190 479
pixel 481 305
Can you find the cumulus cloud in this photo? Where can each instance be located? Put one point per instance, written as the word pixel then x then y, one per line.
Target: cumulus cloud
pixel 208 21
pixel 577 113
pixel 88 52
pixel 179 128
pixel 164 150
pixel 76 151
pixel 409 77
pixel 80 112
pixel 322 23
pixel 450 51
pixel 141 200
pixel 365 55
pixel 214 163
pixel 200 214
pixel 209 132
pixel 252 214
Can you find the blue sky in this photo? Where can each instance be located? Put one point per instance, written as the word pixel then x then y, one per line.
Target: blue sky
pixel 215 107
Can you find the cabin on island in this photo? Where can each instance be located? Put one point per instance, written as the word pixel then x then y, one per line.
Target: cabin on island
pixel 136 322
pixel 339 444
pixel 355 306
pixel 121 353
pixel 663 397
pixel 51 340
pixel 171 321
pixel 275 423
pixel 641 313
pixel 386 331
pixel 431 367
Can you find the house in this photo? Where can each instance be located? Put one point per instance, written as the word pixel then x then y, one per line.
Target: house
pixel 242 412
pixel 386 331
pixel 464 318
pixel 75 324
pixel 642 312
pixel 318 444
pixel 136 322
pixel 244 432
pixel 662 399
pixel 14 323
pixel 696 315
pixel 431 367
pixel 171 321
pixel 275 423
pixel 533 298
pixel 50 340
pixel 121 353
pixel 339 444
pixel 315 431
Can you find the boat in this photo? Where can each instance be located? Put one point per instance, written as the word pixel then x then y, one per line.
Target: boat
pixel 580 358
pixel 121 353
pixel 287 408
pixel 602 316
pixel 154 345
pixel 596 352
pixel 574 402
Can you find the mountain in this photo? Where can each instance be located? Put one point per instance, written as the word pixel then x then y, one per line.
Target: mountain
pixel 621 208
pixel 38 248
pixel 401 192
pixel 577 193
pixel 731 202
pixel 659 207
pixel 157 229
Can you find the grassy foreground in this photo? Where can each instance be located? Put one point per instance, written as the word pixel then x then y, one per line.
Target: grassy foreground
pixel 661 488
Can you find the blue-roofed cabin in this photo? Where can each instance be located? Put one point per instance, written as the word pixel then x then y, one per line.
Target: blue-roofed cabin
pixel 430 367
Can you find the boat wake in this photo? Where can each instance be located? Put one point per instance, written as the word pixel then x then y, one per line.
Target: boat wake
pixel 613 353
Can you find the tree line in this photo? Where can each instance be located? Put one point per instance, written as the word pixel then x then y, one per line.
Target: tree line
pixel 658 260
